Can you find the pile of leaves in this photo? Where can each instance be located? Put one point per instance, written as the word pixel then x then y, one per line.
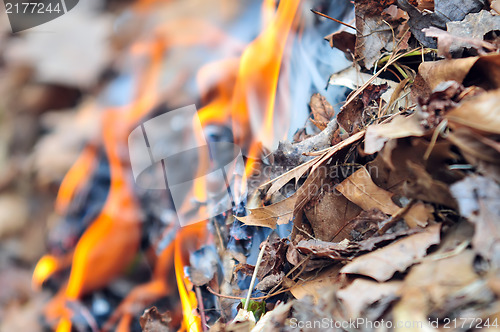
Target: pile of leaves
pixel 395 203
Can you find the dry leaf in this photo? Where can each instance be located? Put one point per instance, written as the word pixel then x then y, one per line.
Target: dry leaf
pixel 316 286
pixel 428 284
pixel 274 318
pixel 444 11
pixel 362 293
pixel 321 110
pixel 478 201
pixel 426 188
pixel 383 263
pixel 399 127
pixel 352 78
pixel 271 215
pixel 483 71
pixel 474 26
pixel 479 151
pixel 449 43
pixel 328 215
pixel 418 215
pixel 310 187
pixel 343 41
pixel 481 113
pixel 153 321
pixel 373 34
pixel 475 147
pixel 360 189
pixel 354 116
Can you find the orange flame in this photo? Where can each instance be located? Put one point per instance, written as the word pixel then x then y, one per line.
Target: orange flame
pixel 255 91
pixel 76 176
pixel 247 100
pixel 47 266
pixel 187 240
pixel 112 240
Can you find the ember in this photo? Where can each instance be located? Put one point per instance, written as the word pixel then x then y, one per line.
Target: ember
pixel 241 166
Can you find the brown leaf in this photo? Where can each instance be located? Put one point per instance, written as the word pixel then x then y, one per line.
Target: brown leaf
pixel 312 184
pixel 428 285
pixel 374 35
pixel 328 215
pixel 418 215
pixel 362 293
pixel 481 113
pixel 345 250
pixel 480 151
pixel 343 41
pixel 270 281
pixel 153 321
pixel 316 286
pixel 483 71
pixel 383 263
pixel 478 201
pixel 271 215
pixel 400 126
pixel 427 189
pixel 475 147
pixel 321 110
pixel 449 43
pixel 360 189
pixel 354 116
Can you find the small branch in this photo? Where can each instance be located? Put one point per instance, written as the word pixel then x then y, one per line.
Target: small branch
pixel 254 276
pixel 202 308
pixel 333 19
pixel 396 217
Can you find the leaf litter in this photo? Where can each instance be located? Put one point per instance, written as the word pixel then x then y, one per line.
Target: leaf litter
pixel 398 218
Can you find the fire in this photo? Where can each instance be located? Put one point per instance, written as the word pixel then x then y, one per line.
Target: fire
pixel 76 176
pixel 255 91
pixel 47 266
pixel 254 97
pixel 187 240
pixel 243 97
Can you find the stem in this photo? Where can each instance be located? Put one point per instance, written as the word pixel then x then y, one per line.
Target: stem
pixel 254 275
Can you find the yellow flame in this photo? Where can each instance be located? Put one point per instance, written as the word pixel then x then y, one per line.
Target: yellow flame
pixel 45 267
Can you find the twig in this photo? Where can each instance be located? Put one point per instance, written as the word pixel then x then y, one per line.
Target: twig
pixel 334 19
pixel 201 308
pixel 291 271
pixel 255 270
pixel 396 217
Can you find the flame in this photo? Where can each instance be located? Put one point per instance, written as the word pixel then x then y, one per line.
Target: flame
pixel 255 91
pixel 76 177
pixel 187 240
pixel 112 240
pixel 243 96
pixel 47 266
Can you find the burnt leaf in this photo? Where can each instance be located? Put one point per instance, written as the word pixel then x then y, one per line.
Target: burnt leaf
pixel 154 321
